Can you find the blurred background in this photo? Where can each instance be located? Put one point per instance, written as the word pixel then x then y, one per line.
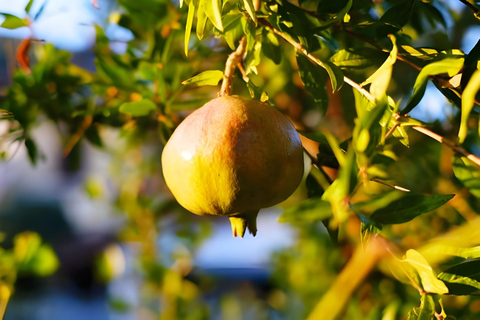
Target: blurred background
pixel 113 244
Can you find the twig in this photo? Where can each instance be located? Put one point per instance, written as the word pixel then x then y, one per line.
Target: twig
pixel 367 94
pixel 390 185
pixel 77 136
pixel 233 59
pixel 475 10
pixel 452 145
pixel 312 58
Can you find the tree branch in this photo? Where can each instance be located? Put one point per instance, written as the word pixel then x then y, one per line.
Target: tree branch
pixel 452 145
pixel 233 59
pixel 367 94
pixel 475 10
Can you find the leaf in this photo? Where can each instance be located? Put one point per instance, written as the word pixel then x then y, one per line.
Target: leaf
pixel 468 174
pixel 409 207
pixel 13 22
pixel 463 278
pixel 345 59
pixel 270 47
pixel 206 78
pixel 471 61
pixel 213 10
pixel 380 79
pixel 337 17
pixel 395 18
pixel 335 74
pixel 31 150
pixel 468 100
pixel 138 108
pixel 426 310
pixel 250 9
pixel 201 22
pixel 28 6
pixel 314 80
pixel 188 27
pixel 430 283
pixel 449 66
pixel 310 210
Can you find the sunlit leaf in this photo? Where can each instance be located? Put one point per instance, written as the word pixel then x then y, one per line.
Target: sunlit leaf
pixel 471 62
pixel 138 108
pixel 13 22
pixel 28 6
pixel 213 10
pixel 448 66
pixel 206 78
pixel 430 283
pixel 468 173
pixel 250 9
pixel 350 60
pixel 201 22
pixel 468 100
pixel 426 310
pixel 335 74
pixel 380 79
pixel 188 27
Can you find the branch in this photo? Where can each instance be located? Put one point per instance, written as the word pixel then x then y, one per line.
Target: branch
pixel 233 59
pixel 367 94
pixel 312 58
pixel 452 145
pixel 475 10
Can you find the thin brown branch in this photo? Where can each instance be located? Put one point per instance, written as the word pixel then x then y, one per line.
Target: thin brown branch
pixel 452 145
pixel 390 185
pixel 233 59
pixel 367 94
pixel 77 135
pixel 312 58
pixel 474 9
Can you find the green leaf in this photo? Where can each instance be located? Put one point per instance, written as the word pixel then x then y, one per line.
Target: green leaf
pixel 310 210
pixel 471 61
pixel 250 9
pixel 449 66
pixel 270 47
pixel 409 207
pixel 206 78
pixel 188 27
pixel 463 278
pixel 314 79
pixel 28 6
pixel 201 22
pixel 13 22
pixel 468 100
pixel 138 108
pixel 395 18
pixel 426 310
pixel 335 74
pixel 345 59
pixel 337 17
pixel 430 283
pixel 468 173
pixel 213 10
pixel 380 79
pixel 31 150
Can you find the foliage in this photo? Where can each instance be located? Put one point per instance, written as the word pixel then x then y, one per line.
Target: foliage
pixel 396 198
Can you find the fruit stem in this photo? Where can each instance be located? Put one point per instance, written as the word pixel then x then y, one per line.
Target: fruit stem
pixel 242 221
pixel 233 59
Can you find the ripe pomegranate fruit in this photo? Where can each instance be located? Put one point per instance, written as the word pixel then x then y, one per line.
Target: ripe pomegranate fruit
pixel 232 157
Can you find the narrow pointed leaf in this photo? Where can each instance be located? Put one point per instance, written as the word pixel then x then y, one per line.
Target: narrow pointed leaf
pixel 409 207
pixel 13 22
pixel 213 10
pixel 449 66
pixel 188 27
pixel 206 78
pixel 468 100
pixel 250 9
pixel 468 173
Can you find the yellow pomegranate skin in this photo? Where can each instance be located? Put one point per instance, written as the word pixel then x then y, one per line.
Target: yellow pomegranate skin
pixel 232 157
